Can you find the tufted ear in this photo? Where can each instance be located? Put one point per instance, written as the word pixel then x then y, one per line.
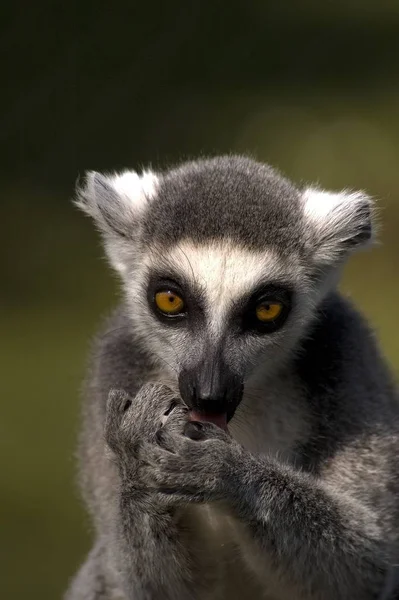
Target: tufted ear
pixel 116 202
pixel 338 222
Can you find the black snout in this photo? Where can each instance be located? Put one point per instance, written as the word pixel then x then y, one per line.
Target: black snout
pixel 212 388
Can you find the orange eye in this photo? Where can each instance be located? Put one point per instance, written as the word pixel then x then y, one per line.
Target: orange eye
pixel 268 311
pixel 169 302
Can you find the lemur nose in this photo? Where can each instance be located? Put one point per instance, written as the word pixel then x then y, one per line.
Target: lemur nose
pixel 211 405
pixel 211 387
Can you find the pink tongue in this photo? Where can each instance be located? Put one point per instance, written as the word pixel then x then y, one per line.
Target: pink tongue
pixel 220 420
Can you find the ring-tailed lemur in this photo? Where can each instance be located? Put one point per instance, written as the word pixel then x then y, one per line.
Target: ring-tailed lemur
pixel 240 434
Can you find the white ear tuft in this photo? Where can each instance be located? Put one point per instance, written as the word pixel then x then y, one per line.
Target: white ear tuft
pixel 138 189
pixel 339 221
pixel 115 202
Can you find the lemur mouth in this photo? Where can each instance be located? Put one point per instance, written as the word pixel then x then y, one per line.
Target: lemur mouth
pixel 218 419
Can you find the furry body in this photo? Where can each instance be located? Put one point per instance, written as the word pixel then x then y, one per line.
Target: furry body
pixel 301 500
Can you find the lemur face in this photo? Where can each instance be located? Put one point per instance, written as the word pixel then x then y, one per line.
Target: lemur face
pixel 223 263
pixel 214 312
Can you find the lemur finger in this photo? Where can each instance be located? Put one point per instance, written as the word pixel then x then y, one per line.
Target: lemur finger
pixel 174 481
pixel 197 431
pixel 169 440
pixel 175 419
pixel 117 403
pixel 159 400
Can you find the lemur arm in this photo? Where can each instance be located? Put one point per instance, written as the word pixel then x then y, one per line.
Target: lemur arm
pixel 323 539
pixel 319 536
pixel 153 560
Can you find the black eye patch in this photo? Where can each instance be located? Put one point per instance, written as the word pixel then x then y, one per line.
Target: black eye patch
pixel 192 301
pixel 265 310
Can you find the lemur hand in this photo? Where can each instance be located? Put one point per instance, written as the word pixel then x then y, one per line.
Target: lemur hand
pixel 132 424
pixel 194 464
pixel 158 450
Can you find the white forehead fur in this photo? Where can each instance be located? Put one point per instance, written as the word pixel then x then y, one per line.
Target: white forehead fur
pixel 135 188
pixel 224 272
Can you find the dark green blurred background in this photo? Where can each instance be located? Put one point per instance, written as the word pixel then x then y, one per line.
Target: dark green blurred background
pixel 312 87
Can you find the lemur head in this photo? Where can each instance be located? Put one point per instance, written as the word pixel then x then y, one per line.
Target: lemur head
pixel 224 263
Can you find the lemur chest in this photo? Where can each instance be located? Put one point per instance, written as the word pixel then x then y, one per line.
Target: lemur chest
pixel 232 565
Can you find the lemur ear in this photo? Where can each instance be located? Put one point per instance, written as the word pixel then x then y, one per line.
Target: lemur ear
pixel 116 202
pixel 339 222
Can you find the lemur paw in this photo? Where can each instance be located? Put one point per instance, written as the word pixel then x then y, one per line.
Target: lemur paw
pixel 159 451
pixel 193 465
pixel 131 422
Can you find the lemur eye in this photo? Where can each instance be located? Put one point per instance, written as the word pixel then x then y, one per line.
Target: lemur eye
pixel 268 311
pixel 169 302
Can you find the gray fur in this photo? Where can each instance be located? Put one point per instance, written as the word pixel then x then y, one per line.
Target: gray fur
pixel 301 500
